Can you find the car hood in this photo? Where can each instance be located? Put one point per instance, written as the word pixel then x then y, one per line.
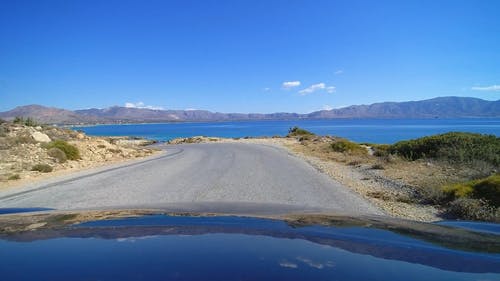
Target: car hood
pixel 230 236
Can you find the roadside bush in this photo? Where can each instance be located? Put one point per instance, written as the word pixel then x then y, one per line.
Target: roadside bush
pixel 473 209
pixel 58 154
pixel 44 168
pixel 296 131
pixel 343 145
pixel 434 195
pixel 454 147
pixel 14 177
pixel 487 189
pixel 354 163
pixel 380 150
pixel 378 166
pixel 71 151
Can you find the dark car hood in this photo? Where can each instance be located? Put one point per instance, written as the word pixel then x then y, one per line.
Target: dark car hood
pixel 441 247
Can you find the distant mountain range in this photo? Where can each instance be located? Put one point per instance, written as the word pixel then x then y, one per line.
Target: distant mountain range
pixel 442 107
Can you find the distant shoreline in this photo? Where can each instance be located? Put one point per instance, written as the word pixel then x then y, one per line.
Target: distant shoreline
pixel 265 120
pixel 359 130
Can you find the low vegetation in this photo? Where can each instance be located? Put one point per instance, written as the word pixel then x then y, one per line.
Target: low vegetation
pixel 343 145
pixel 380 150
pixel 455 172
pixel 454 147
pixel 487 189
pixel 25 121
pixel 26 151
pixel 69 150
pixel 298 132
pixel 57 154
pixel 14 177
pixel 473 209
pixel 43 168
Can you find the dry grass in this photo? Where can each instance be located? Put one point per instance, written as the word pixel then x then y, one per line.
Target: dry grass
pixel 43 168
pixel 423 176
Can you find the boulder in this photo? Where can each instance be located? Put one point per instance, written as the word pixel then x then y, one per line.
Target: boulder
pixel 40 137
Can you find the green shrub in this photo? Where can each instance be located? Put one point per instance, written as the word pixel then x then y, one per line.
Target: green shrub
pixel 343 145
pixel 58 154
pixel 434 195
pixel 296 131
pixel 458 190
pixel 378 166
pixel 71 151
pixel 18 120
pixel 454 147
pixel 380 150
pixel 473 209
pixel 14 177
pixel 354 163
pixel 44 168
pixel 487 189
pixel 28 121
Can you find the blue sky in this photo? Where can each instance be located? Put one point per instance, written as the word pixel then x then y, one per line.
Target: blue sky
pixel 246 56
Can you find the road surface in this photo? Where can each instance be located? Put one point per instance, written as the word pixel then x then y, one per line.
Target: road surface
pixel 213 172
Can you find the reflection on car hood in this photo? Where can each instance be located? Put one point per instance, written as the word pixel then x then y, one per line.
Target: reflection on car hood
pixel 337 245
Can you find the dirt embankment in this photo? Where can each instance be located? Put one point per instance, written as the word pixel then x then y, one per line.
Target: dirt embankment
pixel 31 153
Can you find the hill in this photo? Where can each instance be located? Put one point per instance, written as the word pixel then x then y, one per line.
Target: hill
pixel 442 107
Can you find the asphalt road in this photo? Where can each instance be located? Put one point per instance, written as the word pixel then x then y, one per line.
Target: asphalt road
pixel 231 174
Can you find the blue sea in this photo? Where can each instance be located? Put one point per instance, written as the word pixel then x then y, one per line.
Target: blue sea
pixel 359 130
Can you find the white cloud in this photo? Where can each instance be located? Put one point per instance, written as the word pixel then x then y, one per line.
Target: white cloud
pixel 492 88
pixel 132 105
pixel 267 89
pixel 327 107
pixel 318 265
pixel 330 89
pixel 288 264
pixel 338 72
pixel 140 104
pixel 190 109
pixel 290 84
pixel 313 88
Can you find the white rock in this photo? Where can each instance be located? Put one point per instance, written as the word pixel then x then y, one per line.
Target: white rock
pixel 40 137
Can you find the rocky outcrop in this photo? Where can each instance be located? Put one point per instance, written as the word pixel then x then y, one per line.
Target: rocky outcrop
pixel 22 147
pixel 40 137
